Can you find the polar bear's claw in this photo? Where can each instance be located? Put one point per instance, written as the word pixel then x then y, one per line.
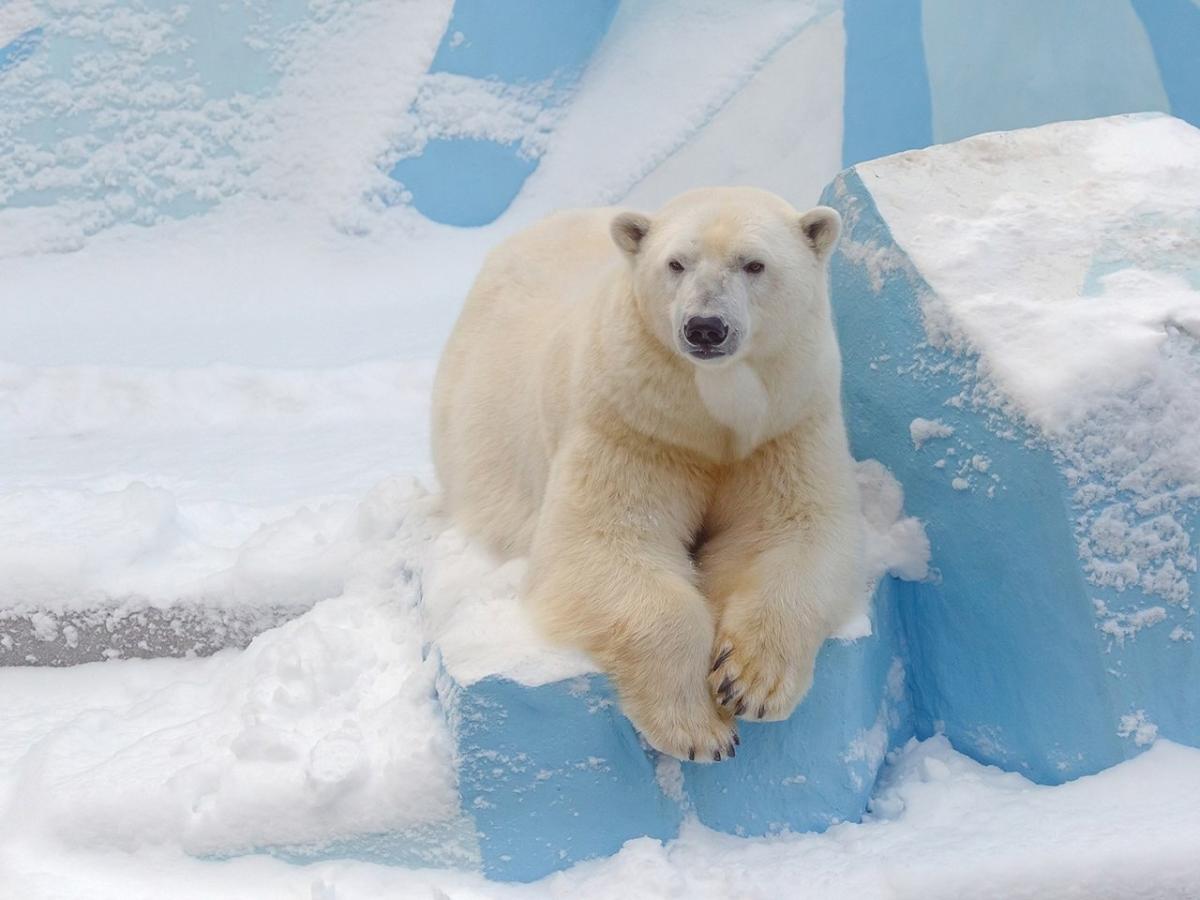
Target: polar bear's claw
pixel 757 676
pixel 720 660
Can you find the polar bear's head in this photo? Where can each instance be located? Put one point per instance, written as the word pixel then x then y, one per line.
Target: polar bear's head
pixel 725 273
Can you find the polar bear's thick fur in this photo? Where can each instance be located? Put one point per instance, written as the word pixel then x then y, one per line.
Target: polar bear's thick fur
pixel 689 510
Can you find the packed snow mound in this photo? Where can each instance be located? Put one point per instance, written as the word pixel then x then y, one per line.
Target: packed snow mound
pixel 225 485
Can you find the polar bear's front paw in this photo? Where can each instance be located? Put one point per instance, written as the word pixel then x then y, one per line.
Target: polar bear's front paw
pixel 701 732
pixel 760 673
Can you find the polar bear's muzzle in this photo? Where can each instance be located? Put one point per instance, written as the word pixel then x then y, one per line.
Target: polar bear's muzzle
pixel 707 337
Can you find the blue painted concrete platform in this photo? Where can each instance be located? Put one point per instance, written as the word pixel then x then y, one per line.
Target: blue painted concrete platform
pixel 554 774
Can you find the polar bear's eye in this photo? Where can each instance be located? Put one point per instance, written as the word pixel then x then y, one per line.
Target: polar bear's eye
pixel 753 268
pixel 675 265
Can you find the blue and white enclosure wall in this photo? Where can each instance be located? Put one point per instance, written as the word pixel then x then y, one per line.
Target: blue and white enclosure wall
pixel 130 111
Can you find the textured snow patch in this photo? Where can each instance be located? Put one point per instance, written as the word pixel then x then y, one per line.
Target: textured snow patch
pixel 896 543
pixel 1135 725
pixel 922 430
pixel 1124 625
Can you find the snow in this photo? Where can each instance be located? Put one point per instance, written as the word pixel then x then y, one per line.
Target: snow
pixel 658 44
pixel 896 544
pixel 324 727
pixel 1077 292
pixel 472 613
pixel 922 430
pixel 1121 625
pixel 229 409
pixel 1138 727
pixel 942 826
pixel 1010 253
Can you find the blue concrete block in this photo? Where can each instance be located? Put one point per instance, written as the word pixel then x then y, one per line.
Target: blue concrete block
pixel 551 774
pixel 995 66
pixel 554 774
pixel 1005 651
pixel 819 767
pixel 1173 27
pixel 886 104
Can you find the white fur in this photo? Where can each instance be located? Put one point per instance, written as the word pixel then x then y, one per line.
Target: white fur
pixel 571 424
pixel 736 397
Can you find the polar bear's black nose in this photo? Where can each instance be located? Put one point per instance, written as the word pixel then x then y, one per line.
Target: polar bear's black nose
pixel 705 331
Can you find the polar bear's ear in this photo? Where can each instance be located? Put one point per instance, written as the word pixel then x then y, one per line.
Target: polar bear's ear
pixel 821 226
pixel 628 229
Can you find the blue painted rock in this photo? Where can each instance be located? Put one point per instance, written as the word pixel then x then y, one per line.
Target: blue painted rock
pixel 1020 321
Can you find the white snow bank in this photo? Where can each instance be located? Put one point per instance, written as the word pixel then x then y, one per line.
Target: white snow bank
pixel 127 487
pixel 323 728
pixel 944 827
pixel 1067 259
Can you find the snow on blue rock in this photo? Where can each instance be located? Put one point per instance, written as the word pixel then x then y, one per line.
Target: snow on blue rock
pixel 1020 321
pixel 552 773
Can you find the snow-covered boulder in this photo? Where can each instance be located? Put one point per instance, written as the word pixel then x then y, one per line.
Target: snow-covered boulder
pixel 1020 319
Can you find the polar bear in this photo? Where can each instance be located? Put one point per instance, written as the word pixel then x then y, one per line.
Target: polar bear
pixel 649 408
